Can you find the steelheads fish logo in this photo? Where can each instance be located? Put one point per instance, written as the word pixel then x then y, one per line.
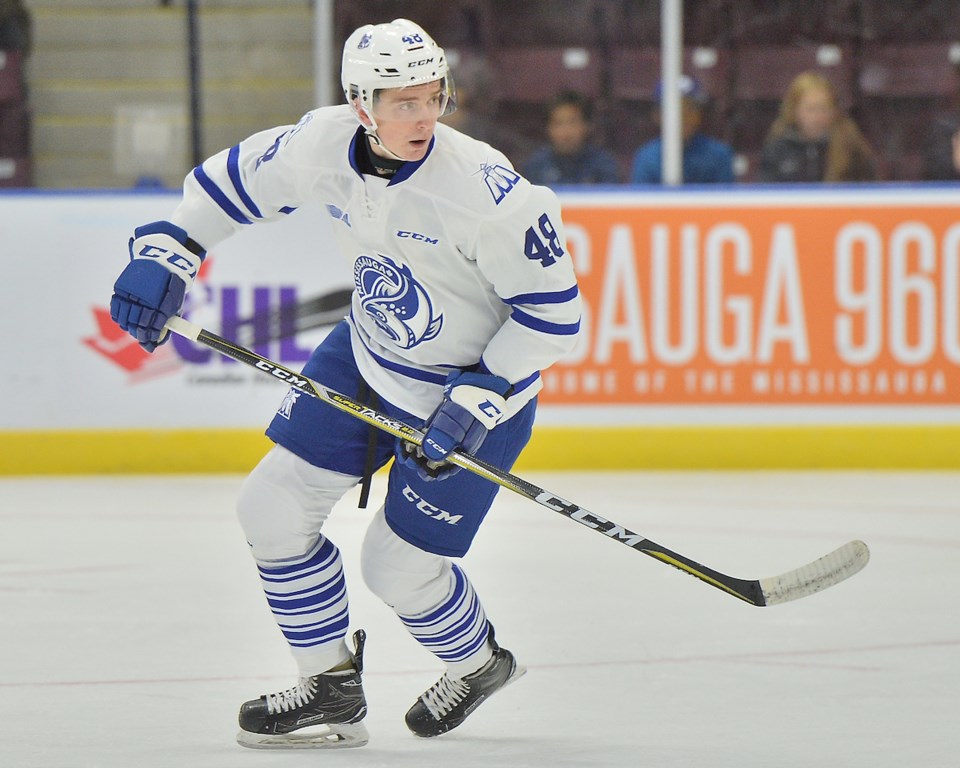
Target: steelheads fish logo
pixel 396 301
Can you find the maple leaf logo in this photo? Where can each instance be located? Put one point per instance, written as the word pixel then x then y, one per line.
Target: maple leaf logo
pixel 122 349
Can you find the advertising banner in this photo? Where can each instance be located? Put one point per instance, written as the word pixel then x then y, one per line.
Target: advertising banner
pixel 274 287
pixel 837 305
pixel 818 298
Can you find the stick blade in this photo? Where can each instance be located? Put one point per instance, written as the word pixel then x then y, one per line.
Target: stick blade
pixel 814 577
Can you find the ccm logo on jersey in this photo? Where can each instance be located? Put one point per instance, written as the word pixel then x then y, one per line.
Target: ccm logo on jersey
pixel 428 509
pixel 417 236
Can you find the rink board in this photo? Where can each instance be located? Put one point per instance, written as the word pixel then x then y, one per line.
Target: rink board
pixel 551 448
pixel 815 327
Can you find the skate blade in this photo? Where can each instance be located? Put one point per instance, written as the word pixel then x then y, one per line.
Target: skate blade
pixel 518 672
pixel 327 737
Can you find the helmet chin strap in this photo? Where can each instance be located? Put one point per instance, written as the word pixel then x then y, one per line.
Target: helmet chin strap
pixel 372 135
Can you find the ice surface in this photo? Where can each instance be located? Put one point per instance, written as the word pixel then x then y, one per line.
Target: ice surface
pixel 132 626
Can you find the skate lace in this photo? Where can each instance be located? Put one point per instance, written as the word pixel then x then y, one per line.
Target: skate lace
pixel 292 698
pixel 444 695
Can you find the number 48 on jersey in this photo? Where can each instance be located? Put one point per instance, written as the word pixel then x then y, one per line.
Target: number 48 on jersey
pixel 542 243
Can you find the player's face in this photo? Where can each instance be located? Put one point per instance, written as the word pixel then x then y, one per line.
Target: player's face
pixel 815 113
pixel 567 129
pixel 407 117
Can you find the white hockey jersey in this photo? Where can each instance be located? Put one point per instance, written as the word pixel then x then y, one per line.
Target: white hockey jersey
pixel 457 259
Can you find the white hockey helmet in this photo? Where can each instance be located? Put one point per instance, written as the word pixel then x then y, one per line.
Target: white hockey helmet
pixel 392 55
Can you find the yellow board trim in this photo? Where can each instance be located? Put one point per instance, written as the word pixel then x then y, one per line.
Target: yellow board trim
pixel 551 448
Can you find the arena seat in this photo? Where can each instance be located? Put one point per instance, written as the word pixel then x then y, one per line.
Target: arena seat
pixel 11 76
pixel 787 22
pixel 904 87
pixel 537 74
pixel 909 70
pixel 907 23
pixel 15 172
pixel 765 71
pixel 14 130
pixel 635 71
pixel 579 23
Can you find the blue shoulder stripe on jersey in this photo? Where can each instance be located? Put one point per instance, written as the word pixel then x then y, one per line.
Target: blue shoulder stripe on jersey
pixel 550 297
pixel 233 169
pixel 556 329
pixel 216 194
pixel 287 209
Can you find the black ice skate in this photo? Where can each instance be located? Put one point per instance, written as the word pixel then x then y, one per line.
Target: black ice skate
pixel 320 711
pixel 451 699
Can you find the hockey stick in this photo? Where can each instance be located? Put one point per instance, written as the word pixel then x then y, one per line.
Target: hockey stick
pixel 830 569
pixel 290 319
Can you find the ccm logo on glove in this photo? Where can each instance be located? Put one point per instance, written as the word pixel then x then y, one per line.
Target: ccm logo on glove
pixel 473 404
pixel 174 259
pixel 164 261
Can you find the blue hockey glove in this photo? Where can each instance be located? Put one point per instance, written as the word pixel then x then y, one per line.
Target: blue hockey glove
pixel 163 264
pixel 473 404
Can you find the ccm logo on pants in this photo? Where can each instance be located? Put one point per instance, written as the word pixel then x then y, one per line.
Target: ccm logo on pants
pixel 428 509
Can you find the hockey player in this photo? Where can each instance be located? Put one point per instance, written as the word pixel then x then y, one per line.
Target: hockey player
pixel 464 291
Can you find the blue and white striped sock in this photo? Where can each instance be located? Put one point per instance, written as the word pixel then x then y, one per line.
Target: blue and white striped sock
pixel 308 597
pixel 456 630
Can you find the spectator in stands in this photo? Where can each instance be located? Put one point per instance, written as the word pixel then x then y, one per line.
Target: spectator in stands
pixel 813 140
pixel 705 160
pixel 570 157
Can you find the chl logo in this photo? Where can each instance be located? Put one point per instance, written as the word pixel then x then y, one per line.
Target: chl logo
pixel 428 509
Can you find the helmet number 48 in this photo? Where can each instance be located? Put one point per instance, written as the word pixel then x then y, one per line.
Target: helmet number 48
pixel 542 242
